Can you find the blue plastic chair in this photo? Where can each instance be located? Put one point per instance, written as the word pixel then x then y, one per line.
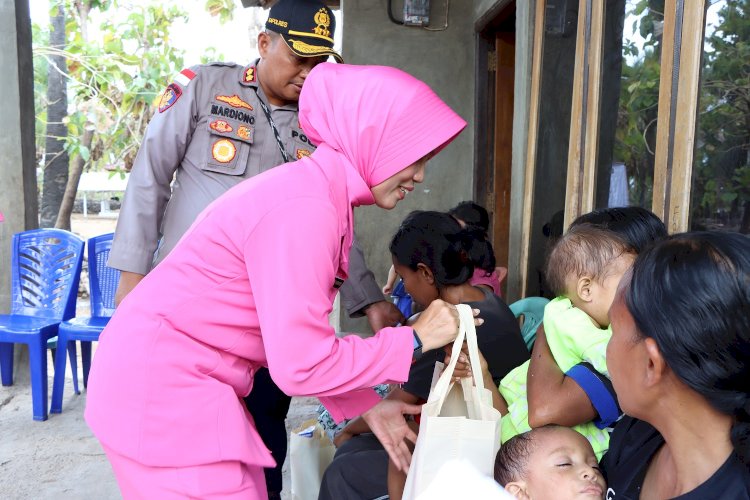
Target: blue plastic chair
pixel 45 270
pixel 103 282
pixel 532 310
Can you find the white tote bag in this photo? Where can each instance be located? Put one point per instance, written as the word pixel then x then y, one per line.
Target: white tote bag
pixel 458 420
pixel 310 453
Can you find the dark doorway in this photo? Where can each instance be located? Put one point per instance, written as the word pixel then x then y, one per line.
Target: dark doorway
pixel 495 83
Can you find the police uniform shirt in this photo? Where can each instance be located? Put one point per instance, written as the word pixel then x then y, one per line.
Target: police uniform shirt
pixel 210 125
pixel 209 134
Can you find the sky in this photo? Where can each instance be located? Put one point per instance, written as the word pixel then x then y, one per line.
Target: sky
pixel 235 39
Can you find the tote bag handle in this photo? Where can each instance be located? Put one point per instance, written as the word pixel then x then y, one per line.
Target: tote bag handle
pixel 466 331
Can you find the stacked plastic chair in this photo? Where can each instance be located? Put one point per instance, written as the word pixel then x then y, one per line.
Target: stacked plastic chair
pixel 45 271
pixel 103 282
pixel 532 310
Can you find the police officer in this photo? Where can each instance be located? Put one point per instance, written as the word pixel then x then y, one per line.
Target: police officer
pixel 217 125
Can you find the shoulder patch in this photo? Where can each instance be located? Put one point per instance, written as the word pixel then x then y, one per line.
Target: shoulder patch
pixel 169 97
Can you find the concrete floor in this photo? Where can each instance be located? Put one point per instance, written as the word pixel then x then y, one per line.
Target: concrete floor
pixel 60 458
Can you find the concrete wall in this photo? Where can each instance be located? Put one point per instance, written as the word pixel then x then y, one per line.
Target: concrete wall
pixel 18 201
pixel 445 61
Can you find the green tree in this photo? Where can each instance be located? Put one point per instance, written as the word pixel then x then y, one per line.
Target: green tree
pixel 635 138
pixel 115 80
pixel 56 158
pixel 223 9
pixel 722 158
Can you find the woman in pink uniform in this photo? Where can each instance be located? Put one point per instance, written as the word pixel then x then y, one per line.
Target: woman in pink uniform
pixel 251 284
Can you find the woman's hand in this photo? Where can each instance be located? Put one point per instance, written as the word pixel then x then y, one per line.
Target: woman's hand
pixel 383 314
pixel 387 422
pixel 463 369
pixel 438 324
pixel 342 437
pixel 463 365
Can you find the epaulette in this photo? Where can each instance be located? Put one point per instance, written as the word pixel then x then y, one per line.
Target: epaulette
pixel 249 75
pixel 222 63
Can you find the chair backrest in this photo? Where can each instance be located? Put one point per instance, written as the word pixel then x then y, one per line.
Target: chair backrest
pixel 45 271
pixel 103 279
pixel 532 310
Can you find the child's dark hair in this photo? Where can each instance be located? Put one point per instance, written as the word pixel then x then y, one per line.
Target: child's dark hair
pixel 585 250
pixel 475 216
pixel 639 227
pixel 472 214
pixel 512 458
pixel 437 240
pixel 691 294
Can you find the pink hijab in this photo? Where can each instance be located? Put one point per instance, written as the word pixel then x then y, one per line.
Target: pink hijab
pixel 376 119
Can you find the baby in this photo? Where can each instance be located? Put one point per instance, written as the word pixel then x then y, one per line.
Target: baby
pixel 549 462
pixel 583 269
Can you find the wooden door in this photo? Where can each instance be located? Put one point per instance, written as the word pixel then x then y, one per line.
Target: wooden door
pixel 499 196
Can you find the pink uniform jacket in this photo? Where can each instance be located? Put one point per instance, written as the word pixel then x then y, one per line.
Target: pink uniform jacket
pixel 251 284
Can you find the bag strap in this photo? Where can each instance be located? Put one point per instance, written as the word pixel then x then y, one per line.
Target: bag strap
pixel 476 369
pixel 466 331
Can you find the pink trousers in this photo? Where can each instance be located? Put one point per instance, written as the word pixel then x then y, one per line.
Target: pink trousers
pixel 220 480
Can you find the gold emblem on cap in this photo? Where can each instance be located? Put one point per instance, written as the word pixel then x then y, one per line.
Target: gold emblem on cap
pixel 323 21
pixel 305 48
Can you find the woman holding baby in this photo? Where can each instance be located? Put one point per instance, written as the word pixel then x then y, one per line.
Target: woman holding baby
pixel 679 359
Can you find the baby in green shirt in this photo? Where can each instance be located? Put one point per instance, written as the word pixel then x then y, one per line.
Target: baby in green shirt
pixel 583 269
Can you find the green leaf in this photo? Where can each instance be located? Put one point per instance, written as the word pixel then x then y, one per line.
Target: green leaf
pixel 84 152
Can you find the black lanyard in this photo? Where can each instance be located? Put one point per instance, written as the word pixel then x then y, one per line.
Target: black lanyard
pixel 276 134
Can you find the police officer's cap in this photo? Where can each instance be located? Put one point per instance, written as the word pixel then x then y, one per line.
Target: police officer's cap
pixel 306 26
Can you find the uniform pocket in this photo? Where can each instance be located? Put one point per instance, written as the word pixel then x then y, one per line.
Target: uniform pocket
pixel 230 137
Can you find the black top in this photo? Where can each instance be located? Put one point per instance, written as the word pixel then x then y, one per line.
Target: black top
pixel 631 448
pixel 499 339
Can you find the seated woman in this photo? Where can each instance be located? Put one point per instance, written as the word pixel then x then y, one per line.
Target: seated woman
pixel 430 253
pixel 486 275
pixel 679 360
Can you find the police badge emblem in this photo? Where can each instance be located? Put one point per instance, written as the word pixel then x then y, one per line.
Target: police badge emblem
pixel 323 21
pixel 223 151
pixel 244 133
pixel 221 126
pixel 169 97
